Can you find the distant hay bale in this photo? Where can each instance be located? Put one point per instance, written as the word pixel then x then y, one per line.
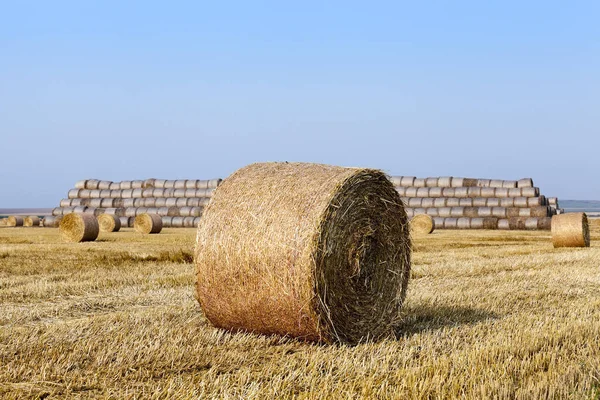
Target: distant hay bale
pixel 137 193
pixel 94 194
pixel 492 202
pixel 77 228
pixel 463 223
pixel 570 230
pixel 434 212
pixel 530 192
pixel 171 202
pixel 552 201
pixel 499 212
pixel 73 193
pixel 160 202
pixel 450 223
pixel 166 221
pixel 501 192
pixel 94 202
pixel 469 182
pixel 191 192
pixel 503 224
pixel 188 222
pixel 509 184
pixel 179 193
pixel 31 220
pixel 124 221
pixel 335 229
pixel 483 183
pixel 431 182
pixel 444 181
pixel 457 212
pixel 520 202
pixel 191 184
pixel 439 202
pixel 461 192
pixel 394 179
pixel 488 192
pixel 419 182
pixel 149 183
pixel 427 202
pixel 214 183
pixel 452 202
pixel 507 202
pixel 514 192
pixel 525 182
pixel 15 220
pixel 474 192
pixel 496 183
pixel 169 184
pixel 169 211
pixel 436 192
pixel 125 185
pixel 545 224
pixel 180 184
pixel 80 184
pixel 109 223
pixel 105 193
pixel 51 221
pixel 480 202
pixel 148 223
pixel 115 186
pixel 484 211
pixel 177 222
pixel 448 192
pixel 147 193
pixel 414 202
pixel 471 212
pixel 92 184
pixel 158 193
pixel 104 185
pixel 407 181
pixel 421 224
pixel 181 202
pixel 159 183
pixel 137 184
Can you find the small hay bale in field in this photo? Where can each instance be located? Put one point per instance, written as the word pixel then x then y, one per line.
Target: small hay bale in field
pixel 520 202
pixel 15 220
pixel 181 202
pixel 463 223
pixel 517 223
pixel 148 223
pixel 31 220
pixel 444 181
pixel 158 193
pixel 438 222
pixel 539 211
pixel 77 228
pixel 311 283
pixel 107 203
pixel 407 181
pixel 129 203
pixel 525 182
pixel 536 201
pixel 65 203
pixel 431 182
pixel 484 223
pixel 109 223
pixel 421 224
pixel 570 230
pixel 94 194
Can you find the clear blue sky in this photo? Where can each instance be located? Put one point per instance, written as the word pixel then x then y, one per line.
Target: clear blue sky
pixel 198 89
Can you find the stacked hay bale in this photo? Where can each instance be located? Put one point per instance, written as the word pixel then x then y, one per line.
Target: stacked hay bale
pixel 179 203
pixel 468 203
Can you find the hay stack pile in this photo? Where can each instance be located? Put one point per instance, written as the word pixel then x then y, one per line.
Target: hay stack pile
pixel 179 203
pixel 467 203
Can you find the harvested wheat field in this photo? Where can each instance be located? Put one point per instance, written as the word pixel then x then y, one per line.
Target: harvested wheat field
pixel 488 314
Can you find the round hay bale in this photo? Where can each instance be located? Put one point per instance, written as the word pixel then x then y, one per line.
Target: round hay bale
pixel 127 193
pixel 196 221
pixel 15 220
pixel 131 211
pixel 124 221
pixel 509 184
pixel 188 222
pixel 94 202
pixel 128 203
pixel 493 202
pixel 530 192
pixel 159 183
pixel 185 211
pixel 407 181
pixel 158 193
pixel 98 211
pixel 539 211
pixel 434 212
pixel 160 202
pixel 517 223
pixel 476 223
pixel 536 201
pixel 105 193
pixel 147 193
pixel 138 203
pixel 438 222
pixel 479 202
pixel 109 223
pixel 474 191
pixel 419 182
pixel 414 202
pixel 169 211
pixel 545 224
pixel 191 192
pixel 469 182
pixel 340 267
pixel 149 183
pixel 531 224
pixel 450 223
pixel 501 192
pixel 552 201
pixel 488 192
pixel 125 185
pixel 445 212
pixel 436 192
pixel 148 223
pixel 169 184
pixel 514 192
pixel 431 182
pixel 525 183
pixel 444 181
pixel 83 209
pixel 570 230
pixel 512 212
pixel 181 202
pixel 60 210
pixel 179 193
pixel 457 212
pixel 422 192
pixel 483 183
pixel 452 202
pixel 520 202
pixel 410 192
pixel 200 193
pixel 137 184
pixel 427 202
pixel 115 186
pixel 439 202
pixel 92 184
pixel 80 184
pixel 137 193
pixel 166 221
pixel 503 224
pixel 51 221
pixel 104 185
pixel 448 192
pixel 111 211
pixel 77 228
pixel 507 202
pixel 461 192
pixel 202 184
pixel 191 184
pixel 463 223
pixel 466 202
pixel 499 212
pixel 73 193
pixel 421 224
pixel 94 194
pixel 214 183
pixel 490 223
pixel 65 203
pixel 171 202
pixel 484 211
pixel 496 183
pixel 180 184
pixel 141 210
pixel 203 202
pixel 471 212
pixel 394 179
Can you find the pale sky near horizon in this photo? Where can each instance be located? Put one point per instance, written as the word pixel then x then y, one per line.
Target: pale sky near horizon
pixel 133 90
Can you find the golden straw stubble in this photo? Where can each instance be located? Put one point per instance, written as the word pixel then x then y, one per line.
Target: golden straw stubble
pixel 109 223
pixel 422 224
pixel 570 230
pixel 148 223
pixel 312 251
pixel 79 227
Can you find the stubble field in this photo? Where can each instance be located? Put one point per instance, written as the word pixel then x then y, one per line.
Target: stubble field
pixel 488 315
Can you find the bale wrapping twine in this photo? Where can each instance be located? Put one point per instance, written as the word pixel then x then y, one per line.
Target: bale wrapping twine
pixel 570 230
pixel 148 223
pixel 109 223
pixel 316 252
pixel 421 224
pixel 79 227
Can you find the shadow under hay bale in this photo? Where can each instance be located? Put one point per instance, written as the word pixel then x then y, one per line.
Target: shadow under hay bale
pixel 323 278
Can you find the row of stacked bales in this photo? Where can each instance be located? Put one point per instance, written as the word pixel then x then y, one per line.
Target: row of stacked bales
pixel 179 203
pixel 467 203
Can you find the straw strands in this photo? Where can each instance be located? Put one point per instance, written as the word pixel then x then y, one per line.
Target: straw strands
pixel 109 223
pixel 323 279
pixel 421 224
pixel 148 223
pixel 570 230
pixel 79 228
pixel 15 220
pixel 31 220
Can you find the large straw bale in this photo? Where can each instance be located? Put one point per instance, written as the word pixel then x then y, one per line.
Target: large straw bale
pixel 444 181
pixel 463 223
pixel 339 269
pixel 80 184
pixel 407 181
pixel 180 184
pixel 76 227
pixel 51 221
pixel 104 185
pixel 137 184
pixel 570 230
pixel 421 224
pixel 148 223
pixel 525 182
pixel 115 186
pixel 431 182
pixel 420 182
pixel 450 223
pixel 15 220
pixel 109 223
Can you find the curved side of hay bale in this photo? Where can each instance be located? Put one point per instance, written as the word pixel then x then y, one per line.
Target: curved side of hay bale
pixel 471 212
pixel 492 202
pixel 450 223
pixel 407 181
pixel 509 184
pixel 474 191
pixel 461 192
pixel 77 228
pixel 354 223
pixel 444 181
pixel 80 184
pixel 439 202
pixel 137 184
pixel 149 183
pixel 479 202
pixel 166 221
pixel 431 182
pixel 422 224
pixel 445 212
pixel 109 223
pixel 73 193
pixel 159 183
pixel 420 182
pixel 104 185
pixel 570 230
pixel 452 202
pixel 214 183
pixel 148 223
pixel 463 223
pixel 469 182
pixel 525 182
pixel 92 184
pixel 414 202
pixel 125 185
pixel 436 192
pixel 496 183
pixel 31 220
pixel 51 221
pixel 115 186
pixel 177 222
pixel 179 184
pixel 545 224
pixel 124 221
pixel 503 224
pixel 530 192
pixel 448 192
pixel 15 220
pixel 427 202
pixel 501 192
pixel 191 184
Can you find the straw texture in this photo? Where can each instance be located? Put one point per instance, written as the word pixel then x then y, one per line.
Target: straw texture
pixel 79 228
pixel 148 223
pixel 317 252
pixel 109 223
pixel 421 224
pixel 570 230
pixel 31 220
pixel 15 220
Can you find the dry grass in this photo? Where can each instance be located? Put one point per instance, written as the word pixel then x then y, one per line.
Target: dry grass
pixel 488 314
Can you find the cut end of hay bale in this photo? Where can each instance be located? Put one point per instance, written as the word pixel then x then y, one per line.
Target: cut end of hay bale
pixel 339 269
pixel 148 223
pixel 570 230
pixel 109 223
pixel 421 224
pixel 79 228
pixel 31 220
pixel 15 220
